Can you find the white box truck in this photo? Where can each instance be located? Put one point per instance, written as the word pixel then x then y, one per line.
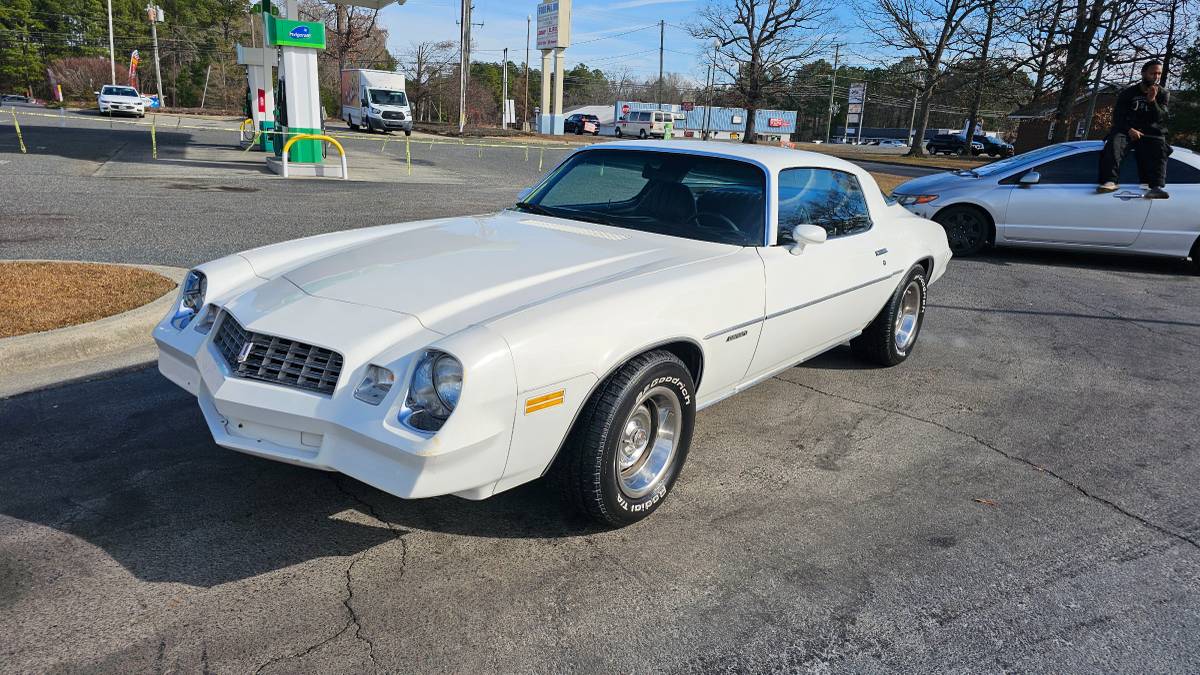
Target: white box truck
pixel 375 99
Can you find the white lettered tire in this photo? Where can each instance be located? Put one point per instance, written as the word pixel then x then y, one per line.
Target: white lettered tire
pixel 630 441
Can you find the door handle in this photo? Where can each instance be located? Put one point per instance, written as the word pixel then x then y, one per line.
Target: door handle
pixel 1126 196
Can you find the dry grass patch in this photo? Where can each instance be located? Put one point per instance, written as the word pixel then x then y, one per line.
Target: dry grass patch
pixel 40 296
pixel 889 181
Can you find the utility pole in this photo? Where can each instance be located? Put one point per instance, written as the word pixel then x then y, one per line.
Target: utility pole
pixel 912 119
pixel 832 84
pixel 464 34
pixel 504 92
pixel 339 27
pixel 661 31
pixel 156 14
pixel 990 8
pixel 525 113
pixel 112 50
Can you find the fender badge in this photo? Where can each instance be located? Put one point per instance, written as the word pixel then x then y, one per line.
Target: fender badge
pixel 544 401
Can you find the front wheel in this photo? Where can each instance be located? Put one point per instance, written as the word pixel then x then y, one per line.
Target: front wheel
pixel 891 336
pixel 966 229
pixel 630 442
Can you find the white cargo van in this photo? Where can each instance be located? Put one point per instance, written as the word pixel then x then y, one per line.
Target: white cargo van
pixel 375 99
pixel 644 123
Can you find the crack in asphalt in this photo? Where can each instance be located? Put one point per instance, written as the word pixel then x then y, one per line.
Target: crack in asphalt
pixel 1014 458
pixel 353 620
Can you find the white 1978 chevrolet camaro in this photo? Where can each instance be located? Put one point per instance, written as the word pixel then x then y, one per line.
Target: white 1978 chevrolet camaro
pixel 576 333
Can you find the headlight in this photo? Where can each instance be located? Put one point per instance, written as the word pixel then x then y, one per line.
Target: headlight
pixel 191 298
pixel 435 390
pixel 376 383
pixel 909 200
pixel 374 111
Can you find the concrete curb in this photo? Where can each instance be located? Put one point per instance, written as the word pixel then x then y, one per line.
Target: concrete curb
pixel 39 360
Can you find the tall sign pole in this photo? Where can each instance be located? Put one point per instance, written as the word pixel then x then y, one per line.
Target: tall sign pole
pixel 525 115
pixel 553 37
pixel 661 34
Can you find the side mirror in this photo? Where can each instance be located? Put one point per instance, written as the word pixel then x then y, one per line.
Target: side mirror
pixel 524 193
pixel 363 102
pixel 1030 178
pixel 803 235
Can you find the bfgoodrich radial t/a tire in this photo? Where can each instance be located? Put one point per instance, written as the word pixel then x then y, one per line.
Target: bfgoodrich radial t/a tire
pixel 630 441
pixel 890 337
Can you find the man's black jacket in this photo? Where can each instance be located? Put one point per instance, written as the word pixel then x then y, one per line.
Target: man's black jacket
pixel 1133 110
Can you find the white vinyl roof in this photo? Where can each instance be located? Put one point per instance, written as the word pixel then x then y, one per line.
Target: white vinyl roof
pixel 772 157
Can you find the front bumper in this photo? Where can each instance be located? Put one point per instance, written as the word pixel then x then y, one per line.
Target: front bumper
pixel 341 433
pixel 126 108
pixel 381 124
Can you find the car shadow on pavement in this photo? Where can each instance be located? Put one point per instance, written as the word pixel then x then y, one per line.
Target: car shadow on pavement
pixel 126 464
pixel 1111 262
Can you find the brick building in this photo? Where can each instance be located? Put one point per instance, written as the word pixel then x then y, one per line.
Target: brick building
pixel 1036 120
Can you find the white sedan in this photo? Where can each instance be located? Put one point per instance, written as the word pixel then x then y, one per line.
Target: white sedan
pixel 1047 198
pixel 114 98
pixel 576 333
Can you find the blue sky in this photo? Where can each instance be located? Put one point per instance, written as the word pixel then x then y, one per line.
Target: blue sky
pixel 596 40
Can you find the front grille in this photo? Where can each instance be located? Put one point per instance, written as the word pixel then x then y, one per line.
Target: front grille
pixel 393 115
pixel 276 359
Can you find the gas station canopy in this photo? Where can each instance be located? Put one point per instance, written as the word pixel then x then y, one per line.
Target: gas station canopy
pixel 369 4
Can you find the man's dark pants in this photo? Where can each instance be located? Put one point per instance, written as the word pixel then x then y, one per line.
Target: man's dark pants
pixel 1151 152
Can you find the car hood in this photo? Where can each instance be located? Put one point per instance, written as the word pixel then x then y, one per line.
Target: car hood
pixel 456 272
pixel 935 184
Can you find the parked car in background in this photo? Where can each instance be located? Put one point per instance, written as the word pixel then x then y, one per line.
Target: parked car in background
pixel 994 147
pixel 120 99
pixel 951 144
pixel 14 98
pixel 645 123
pixel 1047 198
pixel 725 264
pixel 892 143
pixel 582 124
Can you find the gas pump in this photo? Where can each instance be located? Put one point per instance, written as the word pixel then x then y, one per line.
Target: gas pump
pixel 260 64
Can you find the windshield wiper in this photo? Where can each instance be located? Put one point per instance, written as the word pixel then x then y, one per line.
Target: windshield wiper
pixel 530 207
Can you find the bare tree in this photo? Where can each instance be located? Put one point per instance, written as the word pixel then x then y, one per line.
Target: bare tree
pixel 931 29
pixel 760 45
pixel 426 66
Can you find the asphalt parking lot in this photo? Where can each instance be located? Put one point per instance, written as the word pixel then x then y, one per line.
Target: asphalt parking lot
pixel 1019 496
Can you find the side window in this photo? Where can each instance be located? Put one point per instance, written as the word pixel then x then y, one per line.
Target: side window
pixel 1179 173
pixel 1080 168
pixel 832 199
pixel 1084 169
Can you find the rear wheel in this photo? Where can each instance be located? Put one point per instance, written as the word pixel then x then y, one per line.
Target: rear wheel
pixel 966 228
pixel 642 134
pixel 619 134
pixel 1196 257
pixel 630 441
pixel 891 336
pixel 350 123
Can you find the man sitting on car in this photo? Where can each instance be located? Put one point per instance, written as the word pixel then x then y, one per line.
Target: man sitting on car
pixel 1139 122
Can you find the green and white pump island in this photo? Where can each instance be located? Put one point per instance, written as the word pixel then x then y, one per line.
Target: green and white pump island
pixel 299 112
pixel 260 65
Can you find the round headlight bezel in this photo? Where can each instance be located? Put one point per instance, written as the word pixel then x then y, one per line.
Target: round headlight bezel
pixel 191 298
pixel 426 408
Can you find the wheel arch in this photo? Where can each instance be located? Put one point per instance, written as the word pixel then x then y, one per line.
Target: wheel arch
pixel 987 216
pixel 686 349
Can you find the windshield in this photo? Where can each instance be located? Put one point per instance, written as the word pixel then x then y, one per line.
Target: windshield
pixel 386 97
pixel 691 196
pixel 1019 160
pixel 118 91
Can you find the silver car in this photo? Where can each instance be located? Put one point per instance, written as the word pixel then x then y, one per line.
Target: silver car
pixel 1047 198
